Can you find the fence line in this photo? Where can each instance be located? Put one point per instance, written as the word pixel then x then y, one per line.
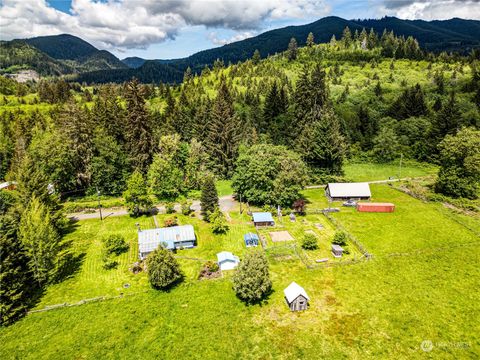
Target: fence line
pixel 85 301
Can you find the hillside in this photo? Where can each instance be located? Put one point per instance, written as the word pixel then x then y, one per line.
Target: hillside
pixel 63 47
pixel 450 35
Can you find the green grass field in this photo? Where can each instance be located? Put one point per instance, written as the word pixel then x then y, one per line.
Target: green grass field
pixel 372 171
pixel 383 308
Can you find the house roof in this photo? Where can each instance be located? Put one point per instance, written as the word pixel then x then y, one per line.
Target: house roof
pixel 293 291
pixel 6 184
pixel 250 236
pixel 337 247
pixel 149 240
pixel 226 256
pixel 262 217
pixel 349 190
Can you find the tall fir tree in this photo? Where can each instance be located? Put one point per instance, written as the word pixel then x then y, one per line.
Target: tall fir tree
pixel 209 197
pixel 310 40
pixel 138 129
pixel 292 50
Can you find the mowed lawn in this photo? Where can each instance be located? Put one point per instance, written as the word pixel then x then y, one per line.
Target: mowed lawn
pixel 383 308
pixel 373 171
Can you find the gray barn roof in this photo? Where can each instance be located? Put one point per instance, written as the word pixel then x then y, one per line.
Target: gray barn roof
pixel 345 190
pixel 149 240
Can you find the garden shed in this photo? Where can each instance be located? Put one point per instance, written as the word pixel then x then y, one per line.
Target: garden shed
pixel 337 250
pixel 376 207
pixel 172 238
pixel 262 219
pixel 296 297
pixel 346 191
pixel 251 239
pixel 227 261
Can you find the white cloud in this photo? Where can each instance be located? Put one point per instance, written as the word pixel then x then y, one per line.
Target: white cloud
pixel 125 24
pixel 432 9
pixel 214 38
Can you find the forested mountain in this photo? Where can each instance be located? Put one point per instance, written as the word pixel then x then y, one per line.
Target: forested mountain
pixel 451 35
pixel 55 55
pixel 18 54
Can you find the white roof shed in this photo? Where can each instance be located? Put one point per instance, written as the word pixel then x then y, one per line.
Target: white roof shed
pixel 293 291
pixel 349 190
pixel 227 261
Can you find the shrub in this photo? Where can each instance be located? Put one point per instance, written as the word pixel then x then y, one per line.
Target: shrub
pixel 299 206
pixel 186 209
pixel 115 245
pixel 171 221
pixel 170 208
pixel 209 270
pixel 163 269
pixel 340 238
pixel 219 223
pixel 109 263
pixel 251 281
pixel 310 242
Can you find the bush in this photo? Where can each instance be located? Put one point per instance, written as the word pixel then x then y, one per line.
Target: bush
pixel 170 208
pixel 310 242
pixel 251 281
pixel 170 221
pixel 109 263
pixel 218 221
pixel 209 270
pixel 115 245
pixel 186 210
pixel 299 206
pixel 163 269
pixel 340 238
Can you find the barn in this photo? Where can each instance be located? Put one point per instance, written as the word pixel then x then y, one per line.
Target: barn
pixel 346 191
pixel 296 297
pixel 262 219
pixel 376 207
pixel 227 261
pixel 175 237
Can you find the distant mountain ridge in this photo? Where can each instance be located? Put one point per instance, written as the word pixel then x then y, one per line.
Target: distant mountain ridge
pixel 66 53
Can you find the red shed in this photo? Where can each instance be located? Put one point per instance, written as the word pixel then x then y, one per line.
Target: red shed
pixel 375 207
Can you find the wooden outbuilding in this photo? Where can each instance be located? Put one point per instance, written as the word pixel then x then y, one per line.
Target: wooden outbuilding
pixel 263 219
pixel 296 297
pixel 337 250
pixel 227 261
pixel 376 207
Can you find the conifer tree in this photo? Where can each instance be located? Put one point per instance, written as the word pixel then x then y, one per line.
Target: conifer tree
pixel 209 197
pixel 251 281
pixel 224 132
pixel 347 37
pixel 256 57
pixel 138 136
pixel 41 242
pixel 292 50
pixel 15 276
pixel 310 40
pixel 136 196
pixel 447 119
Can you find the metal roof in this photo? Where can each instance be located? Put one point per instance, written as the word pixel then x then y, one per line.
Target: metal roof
pixel 7 184
pixel 262 217
pixel 337 247
pixel 149 240
pixel 227 256
pixel 250 236
pixel 349 190
pixel 293 291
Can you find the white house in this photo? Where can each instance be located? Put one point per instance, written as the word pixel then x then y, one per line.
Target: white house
pixel 175 237
pixel 227 261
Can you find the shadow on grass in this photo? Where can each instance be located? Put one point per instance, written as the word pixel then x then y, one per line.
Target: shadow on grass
pixel 260 302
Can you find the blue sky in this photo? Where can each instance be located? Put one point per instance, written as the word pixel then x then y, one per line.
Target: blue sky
pixel 177 28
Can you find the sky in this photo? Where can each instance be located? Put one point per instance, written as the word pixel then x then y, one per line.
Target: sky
pixel 166 29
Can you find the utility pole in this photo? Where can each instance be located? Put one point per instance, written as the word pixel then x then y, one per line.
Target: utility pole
pixel 400 171
pixel 99 204
pixel 240 202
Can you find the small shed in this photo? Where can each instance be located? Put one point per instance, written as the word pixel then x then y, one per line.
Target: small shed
pixel 172 238
pixel 376 207
pixel 262 219
pixel 337 250
pixel 251 239
pixel 346 191
pixel 296 297
pixel 227 261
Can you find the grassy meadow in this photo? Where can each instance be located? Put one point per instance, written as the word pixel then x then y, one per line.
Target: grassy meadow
pixel 421 285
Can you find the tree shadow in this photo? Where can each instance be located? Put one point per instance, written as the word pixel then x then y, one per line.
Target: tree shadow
pixel 259 302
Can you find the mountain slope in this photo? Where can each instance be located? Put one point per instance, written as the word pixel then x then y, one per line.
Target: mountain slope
pixel 18 54
pixel 133 62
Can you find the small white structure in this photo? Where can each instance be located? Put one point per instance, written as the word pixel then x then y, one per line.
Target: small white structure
pixel 346 191
pixel 296 297
pixel 227 261
pixel 337 251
